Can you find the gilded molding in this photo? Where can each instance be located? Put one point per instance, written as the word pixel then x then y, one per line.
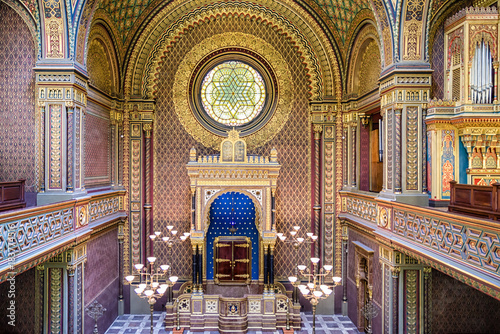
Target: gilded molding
pixel 56 304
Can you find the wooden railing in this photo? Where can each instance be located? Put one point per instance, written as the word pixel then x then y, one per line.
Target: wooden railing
pixel 478 201
pixel 12 195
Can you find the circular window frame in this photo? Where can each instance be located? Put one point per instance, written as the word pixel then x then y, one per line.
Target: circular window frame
pixel 249 58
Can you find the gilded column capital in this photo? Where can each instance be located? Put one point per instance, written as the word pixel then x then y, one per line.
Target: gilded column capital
pixel 345 232
pixel 71 269
pixel 317 129
pixel 116 117
pixel 121 232
pixel 365 120
pixel 148 128
pixel 427 271
pixel 395 271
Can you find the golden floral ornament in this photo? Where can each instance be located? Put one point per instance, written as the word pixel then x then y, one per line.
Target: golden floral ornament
pixel 240 40
pixel 383 217
pixel 83 217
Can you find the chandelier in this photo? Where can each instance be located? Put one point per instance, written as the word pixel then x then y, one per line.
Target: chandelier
pixel 296 242
pixel 151 278
pixel 317 286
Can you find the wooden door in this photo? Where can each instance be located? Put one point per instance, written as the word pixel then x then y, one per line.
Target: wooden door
pixel 232 260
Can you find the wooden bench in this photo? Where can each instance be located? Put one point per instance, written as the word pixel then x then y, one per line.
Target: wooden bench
pixel 12 195
pixel 479 201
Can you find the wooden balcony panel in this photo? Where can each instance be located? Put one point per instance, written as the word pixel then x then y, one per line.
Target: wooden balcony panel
pixel 474 200
pixel 12 195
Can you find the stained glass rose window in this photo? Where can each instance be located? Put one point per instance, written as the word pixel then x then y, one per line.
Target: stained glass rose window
pixel 233 93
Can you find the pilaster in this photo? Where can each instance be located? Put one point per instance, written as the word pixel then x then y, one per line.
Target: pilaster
pixel 404 101
pixel 324 119
pixel 61 101
pixel 138 131
pixel 75 269
pixel 56 296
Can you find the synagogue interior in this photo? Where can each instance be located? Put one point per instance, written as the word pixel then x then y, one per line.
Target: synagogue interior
pixel 232 166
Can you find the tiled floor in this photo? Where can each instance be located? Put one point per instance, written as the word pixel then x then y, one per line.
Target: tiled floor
pixel 140 324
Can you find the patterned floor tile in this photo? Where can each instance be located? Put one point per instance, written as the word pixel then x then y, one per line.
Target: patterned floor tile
pixel 140 324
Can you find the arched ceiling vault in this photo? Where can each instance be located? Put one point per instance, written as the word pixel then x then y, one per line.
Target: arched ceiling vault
pixel 332 23
pixel 285 17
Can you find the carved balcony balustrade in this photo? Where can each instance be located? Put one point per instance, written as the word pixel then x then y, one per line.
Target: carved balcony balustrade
pixel 466 248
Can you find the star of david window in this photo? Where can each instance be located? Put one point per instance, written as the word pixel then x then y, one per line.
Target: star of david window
pixel 233 93
pixel 233 88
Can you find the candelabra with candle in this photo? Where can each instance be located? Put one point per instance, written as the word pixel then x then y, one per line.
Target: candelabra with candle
pixel 317 287
pixel 296 242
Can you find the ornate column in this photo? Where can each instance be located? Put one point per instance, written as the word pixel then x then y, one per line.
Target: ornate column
pixel 345 153
pixel 326 117
pixel 397 148
pixel 404 96
pixel 195 266
pixel 271 266
pixel 354 158
pixel 147 128
pixel 75 281
pixel 318 130
pixel 345 240
pixel 192 158
pixel 424 149
pixel 62 100
pixel 266 272
pixel 394 319
pixel 200 268
pixel 121 235
pixel 137 143
pixel 71 298
pixel 495 76
pixel 116 132
pixel 125 148
pixel 427 313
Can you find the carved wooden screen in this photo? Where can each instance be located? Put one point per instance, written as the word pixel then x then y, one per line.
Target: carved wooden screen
pixel 232 260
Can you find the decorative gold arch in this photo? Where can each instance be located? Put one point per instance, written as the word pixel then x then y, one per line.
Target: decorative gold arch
pixel 288 19
pixel 99 37
pixel 258 208
pixel 228 40
pixel 367 33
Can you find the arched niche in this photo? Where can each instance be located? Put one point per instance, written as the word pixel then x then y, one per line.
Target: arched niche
pixel 365 61
pixel 247 227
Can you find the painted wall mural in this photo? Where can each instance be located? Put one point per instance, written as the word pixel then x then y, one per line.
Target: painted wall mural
pixel 447 161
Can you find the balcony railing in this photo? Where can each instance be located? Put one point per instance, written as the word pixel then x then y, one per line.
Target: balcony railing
pixel 467 248
pixel 31 236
